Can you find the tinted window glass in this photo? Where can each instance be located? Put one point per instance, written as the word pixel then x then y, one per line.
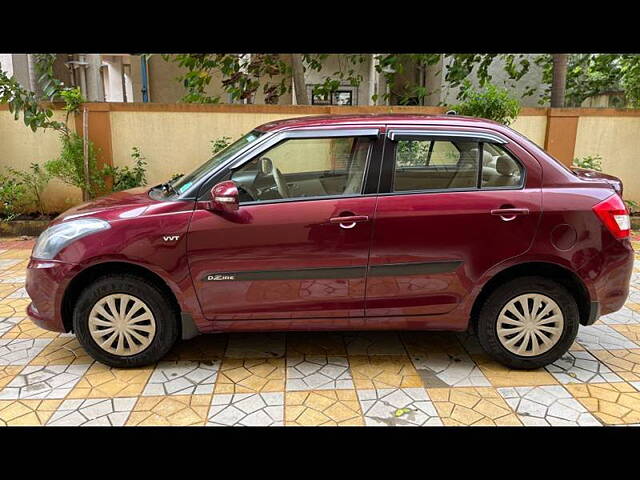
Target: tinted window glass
pixel 432 164
pixel 500 169
pixel 300 168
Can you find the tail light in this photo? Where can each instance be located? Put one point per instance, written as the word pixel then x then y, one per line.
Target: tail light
pixel 615 216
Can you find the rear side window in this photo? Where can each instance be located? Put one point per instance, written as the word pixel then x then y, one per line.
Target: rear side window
pixel 441 164
pixel 500 169
pixel 433 164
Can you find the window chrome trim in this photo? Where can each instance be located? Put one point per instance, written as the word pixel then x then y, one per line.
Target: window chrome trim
pixel 392 134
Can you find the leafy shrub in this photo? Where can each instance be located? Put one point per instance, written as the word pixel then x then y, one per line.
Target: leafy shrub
pixel 33 181
pixel 494 104
pixel 634 207
pixel 69 166
pixel 13 196
pixel 592 162
pixel 125 178
pixel 219 144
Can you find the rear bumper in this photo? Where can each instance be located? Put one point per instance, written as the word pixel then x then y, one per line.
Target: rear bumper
pixel 45 283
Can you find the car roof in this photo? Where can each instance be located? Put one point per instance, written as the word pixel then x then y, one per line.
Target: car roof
pixel 412 119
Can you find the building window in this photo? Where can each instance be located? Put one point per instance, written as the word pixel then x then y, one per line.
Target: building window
pixel 344 96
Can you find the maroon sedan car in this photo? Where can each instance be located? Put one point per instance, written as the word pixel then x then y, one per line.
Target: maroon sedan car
pixel 373 222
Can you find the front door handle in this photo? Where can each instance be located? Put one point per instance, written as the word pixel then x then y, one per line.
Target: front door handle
pixel 349 221
pixel 508 214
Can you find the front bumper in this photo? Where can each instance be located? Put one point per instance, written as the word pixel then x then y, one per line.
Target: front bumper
pixel 46 281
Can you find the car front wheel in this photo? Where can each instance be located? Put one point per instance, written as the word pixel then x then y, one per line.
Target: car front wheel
pixel 125 321
pixel 528 322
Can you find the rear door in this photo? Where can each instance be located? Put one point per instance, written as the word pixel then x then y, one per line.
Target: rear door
pixel 451 205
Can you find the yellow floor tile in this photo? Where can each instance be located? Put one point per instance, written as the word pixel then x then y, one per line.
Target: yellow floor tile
pixel 626 363
pixel 62 351
pixel 251 375
pixel 325 407
pixel 102 381
pixel 501 376
pixel 632 332
pixel 14 307
pixel 27 329
pixel 170 410
pixel 27 412
pixel 8 373
pixel 612 403
pixel 472 406
pixel 383 371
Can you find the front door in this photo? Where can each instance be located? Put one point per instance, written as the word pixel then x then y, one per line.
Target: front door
pixel 298 245
pixel 449 209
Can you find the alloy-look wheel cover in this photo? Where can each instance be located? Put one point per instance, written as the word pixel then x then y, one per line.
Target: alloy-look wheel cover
pixel 530 324
pixel 122 324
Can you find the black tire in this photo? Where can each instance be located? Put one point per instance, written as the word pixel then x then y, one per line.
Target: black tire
pixel 166 319
pixel 488 317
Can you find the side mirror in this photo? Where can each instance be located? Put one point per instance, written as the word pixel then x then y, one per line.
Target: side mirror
pixel 224 197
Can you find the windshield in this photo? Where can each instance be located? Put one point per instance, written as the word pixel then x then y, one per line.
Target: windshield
pixel 183 183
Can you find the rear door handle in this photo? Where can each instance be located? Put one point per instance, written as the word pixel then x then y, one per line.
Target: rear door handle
pixel 350 221
pixel 508 214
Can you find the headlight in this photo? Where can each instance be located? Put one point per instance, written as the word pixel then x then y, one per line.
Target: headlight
pixel 55 238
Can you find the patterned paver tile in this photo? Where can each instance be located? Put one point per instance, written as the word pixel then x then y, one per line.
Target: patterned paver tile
pixel 182 378
pixel 256 345
pixel 63 350
pixel 93 412
pixel 19 293
pixel 611 403
pixel 315 343
pixel 632 332
pixel 472 406
pixel 6 263
pixel 547 406
pixel 441 360
pixel 374 343
pixel 27 329
pixel 8 323
pixel 501 376
pixel 323 407
pixel 8 373
pixel 398 407
pixel 101 381
pixel 383 371
pixel 21 351
pixel 27 412
pixel 624 316
pixel 318 372
pixel 247 409
pixel 603 337
pixel 200 348
pixel 7 289
pixel 170 410
pixel 251 375
pixel 635 385
pixel 13 307
pixel 46 381
pixel 625 363
pixel 580 367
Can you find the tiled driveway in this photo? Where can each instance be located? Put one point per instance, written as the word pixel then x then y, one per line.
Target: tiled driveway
pixel 353 378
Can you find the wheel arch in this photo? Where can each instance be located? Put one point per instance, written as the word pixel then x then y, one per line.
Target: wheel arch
pixel 556 272
pixel 90 274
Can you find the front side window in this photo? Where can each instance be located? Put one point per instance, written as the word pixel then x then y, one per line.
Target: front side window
pixel 433 164
pixel 303 168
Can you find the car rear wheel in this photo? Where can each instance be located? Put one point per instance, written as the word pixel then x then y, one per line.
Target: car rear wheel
pixel 124 321
pixel 528 322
